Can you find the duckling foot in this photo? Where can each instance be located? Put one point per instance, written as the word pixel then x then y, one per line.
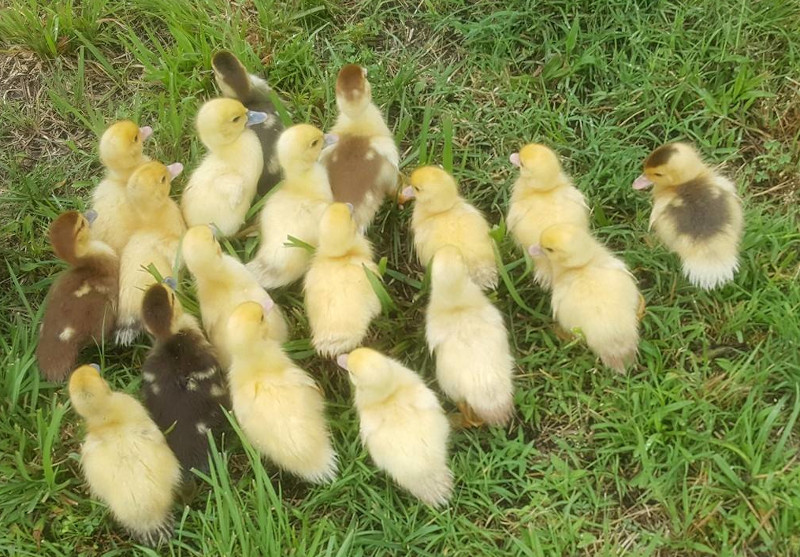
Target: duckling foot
pixel 251 230
pixel 465 418
pixel 642 308
pixel 562 334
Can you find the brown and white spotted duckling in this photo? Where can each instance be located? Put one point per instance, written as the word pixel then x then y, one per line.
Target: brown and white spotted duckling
pixel 184 388
pixel 363 164
pixel 253 92
pixel 81 305
pixel 696 213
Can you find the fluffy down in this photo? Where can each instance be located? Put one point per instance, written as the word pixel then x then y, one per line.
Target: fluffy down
pixel 81 305
pixel 278 406
pixel 125 458
pixel 402 425
pixel 595 293
pixel 467 335
pixel 542 196
pixel 442 217
pixel 294 209
pixel 340 301
pixel 222 188
pixel 222 284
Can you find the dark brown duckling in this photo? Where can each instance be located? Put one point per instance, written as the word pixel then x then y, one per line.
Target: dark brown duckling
pixel 253 92
pixel 184 388
pixel 81 304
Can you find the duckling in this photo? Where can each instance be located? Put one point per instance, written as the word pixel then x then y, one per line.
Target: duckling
pixel 184 388
pixel 294 209
pixel 442 217
pixel 222 188
pixel 125 459
pixel 474 366
pixel 340 302
pixel 696 213
pixel 155 242
pixel 82 303
pixel 594 292
pixel 363 165
pixel 278 405
pixel 543 195
pixel 222 284
pixel 121 152
pixel 402 424
pixel 253 92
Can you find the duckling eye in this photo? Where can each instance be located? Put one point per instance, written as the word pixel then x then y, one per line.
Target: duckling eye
pixel 315 143
pixel 163 179
pixel 262 318
pixel 659 174
pixel 237 118
pixel 136 139
pixel 548 250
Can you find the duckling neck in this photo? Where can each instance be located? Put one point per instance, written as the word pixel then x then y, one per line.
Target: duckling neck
pixel 531 185
pixel 311 180
pixel 91 253
pixel 367 122
pixel 184 322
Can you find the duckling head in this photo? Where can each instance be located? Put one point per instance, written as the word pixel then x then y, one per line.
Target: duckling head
pixel 160 310
pixel 299 148
pixel 121 145
pixel 370 373
pixel 248 324
pixel 539 166
pixel 337 230
pixel 670 165
pixel 200 250
pixel 222 121
pixel 70 236
pixel 148 187
pixel 566 245
pixel 433 188
pixel 353 91
pixel 230 75
pixel 448 268
pixel 89 392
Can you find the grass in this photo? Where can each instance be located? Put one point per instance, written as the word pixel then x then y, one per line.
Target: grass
pixel 694 452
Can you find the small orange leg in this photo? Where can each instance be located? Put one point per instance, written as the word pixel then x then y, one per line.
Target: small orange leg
pixel 465 418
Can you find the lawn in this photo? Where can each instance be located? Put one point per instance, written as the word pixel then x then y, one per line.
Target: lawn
pixel 693 452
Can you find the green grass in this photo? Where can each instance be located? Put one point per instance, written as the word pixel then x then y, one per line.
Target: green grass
pixel 694 452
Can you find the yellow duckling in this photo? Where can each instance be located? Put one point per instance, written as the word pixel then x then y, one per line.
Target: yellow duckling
pixel 696 213
pixel 125 458
pixel 222 284
pixel 474 366
pixel 278 405
pixel 363 164
pixel 222 188
pixel 294 209
pixel 121 152
pixel 155 242
pixel 442 217
pixel 594 292
pixel 543 195
pixel 402 424
pixel 340 302
pixel 82 302
pixel 253 92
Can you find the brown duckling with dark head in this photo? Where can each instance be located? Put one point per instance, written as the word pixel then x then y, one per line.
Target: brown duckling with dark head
pixel 184 388
pixel 81 304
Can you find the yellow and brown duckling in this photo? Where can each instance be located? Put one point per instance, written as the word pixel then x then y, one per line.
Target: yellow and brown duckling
pixel 697 213
pixel 81 304
pixel 254 93
pixel 184 387
pixel 363 164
